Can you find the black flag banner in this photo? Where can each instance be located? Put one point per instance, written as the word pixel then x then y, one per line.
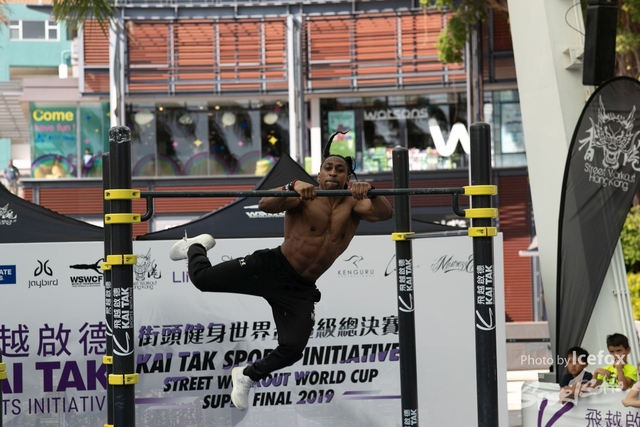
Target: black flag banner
pixel 600 179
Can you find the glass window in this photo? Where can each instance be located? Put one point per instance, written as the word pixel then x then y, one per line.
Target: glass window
pixel 423 124
pixel 14 30
pixel 68 140
pixel 52 30
pixel 502 111
pixel 54 143
pixel 94 138
pixel 204 139
pixel 33 30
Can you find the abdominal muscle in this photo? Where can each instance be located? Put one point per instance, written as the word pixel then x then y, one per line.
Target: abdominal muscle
pixel 316 234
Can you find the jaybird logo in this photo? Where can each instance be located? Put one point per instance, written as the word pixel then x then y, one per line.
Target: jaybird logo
pixel 43 268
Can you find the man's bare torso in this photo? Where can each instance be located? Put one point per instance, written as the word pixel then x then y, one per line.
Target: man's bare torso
pixel 317 232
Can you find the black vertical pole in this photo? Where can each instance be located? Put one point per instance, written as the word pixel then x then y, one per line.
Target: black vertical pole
pixel 106 273
pixel 122 281
pixel 3 376
pixel 404 275
pixel 484 289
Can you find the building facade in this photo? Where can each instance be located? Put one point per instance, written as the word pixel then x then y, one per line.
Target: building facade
pixel 214 93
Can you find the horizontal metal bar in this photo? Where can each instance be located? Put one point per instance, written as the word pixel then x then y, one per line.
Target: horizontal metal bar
pixel 527 340
pixel 283 193
pixel 451 233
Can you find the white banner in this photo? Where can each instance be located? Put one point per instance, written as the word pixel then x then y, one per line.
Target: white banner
pixel 603 407
pixel 53 337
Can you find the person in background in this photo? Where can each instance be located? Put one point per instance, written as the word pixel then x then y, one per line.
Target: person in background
pixel 12 175
pixel 87 159
pixel 621 373
pixel 577 362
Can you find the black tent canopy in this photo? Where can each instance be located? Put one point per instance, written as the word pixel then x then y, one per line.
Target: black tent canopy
pixel 243 219
pixel 24 222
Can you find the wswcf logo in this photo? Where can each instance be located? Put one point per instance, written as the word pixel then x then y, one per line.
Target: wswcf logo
pixel 91 279
pixel 7 274
pixel 43 276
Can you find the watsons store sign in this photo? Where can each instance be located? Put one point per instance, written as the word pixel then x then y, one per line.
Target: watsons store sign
pixel 397 113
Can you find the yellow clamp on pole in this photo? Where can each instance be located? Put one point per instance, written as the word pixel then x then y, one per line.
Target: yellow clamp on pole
pixel 480 190
pixel 105 266
pixel 107 360
pixel 123 379
pixel 481 213
pixel 108 425
pixel 127 194
pixel 122 259
pixel 121 218
pixel 396 237
pixel 483 231
pixel 3 371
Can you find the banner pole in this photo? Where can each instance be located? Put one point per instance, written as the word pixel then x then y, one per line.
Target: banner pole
pixel 482 233
pixel 108 301
pixel 3 376
pixel 122 261
pixel 404 277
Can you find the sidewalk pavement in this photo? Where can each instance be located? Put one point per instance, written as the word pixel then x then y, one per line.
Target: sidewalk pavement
pixel 515 379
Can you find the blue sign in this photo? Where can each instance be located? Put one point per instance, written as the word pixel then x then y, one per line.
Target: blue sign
pixel 7 274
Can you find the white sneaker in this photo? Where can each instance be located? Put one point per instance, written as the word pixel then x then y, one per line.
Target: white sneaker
pixel 241 386
pixel 179 249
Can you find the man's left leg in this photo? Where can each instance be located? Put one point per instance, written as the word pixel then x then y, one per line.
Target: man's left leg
pixel 294 318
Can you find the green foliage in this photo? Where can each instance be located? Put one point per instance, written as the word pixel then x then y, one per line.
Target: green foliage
pixel 451 41
pixel 630 240
pixel 632 8
pixel 627 41
pixel 75 12
pixel 634 293
pixel 453 37
pixel 3 13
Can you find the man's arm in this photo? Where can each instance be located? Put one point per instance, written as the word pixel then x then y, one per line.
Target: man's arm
pixel 372 209
pixel 626 379
pixel 630 399
pixel 280 204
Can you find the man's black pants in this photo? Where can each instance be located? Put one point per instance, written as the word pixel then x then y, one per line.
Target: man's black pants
pixel 268 274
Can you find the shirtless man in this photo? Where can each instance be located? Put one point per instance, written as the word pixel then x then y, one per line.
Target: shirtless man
pixel 316 232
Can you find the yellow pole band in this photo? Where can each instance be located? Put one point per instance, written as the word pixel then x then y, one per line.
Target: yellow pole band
pixel 107 360
pixel 122 259
pixel 482 231
pixel 123 379
pixel 105 266
pixel 480 190
pixel 400 236
pixel 121 218
pixel 126 194
pixel 481 213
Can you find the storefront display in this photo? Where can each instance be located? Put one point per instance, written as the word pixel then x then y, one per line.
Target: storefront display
pixel 207 139
pixel 67 140
pixel 383 123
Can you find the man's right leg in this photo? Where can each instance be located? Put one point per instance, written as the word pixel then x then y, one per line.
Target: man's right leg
pixel 232 276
